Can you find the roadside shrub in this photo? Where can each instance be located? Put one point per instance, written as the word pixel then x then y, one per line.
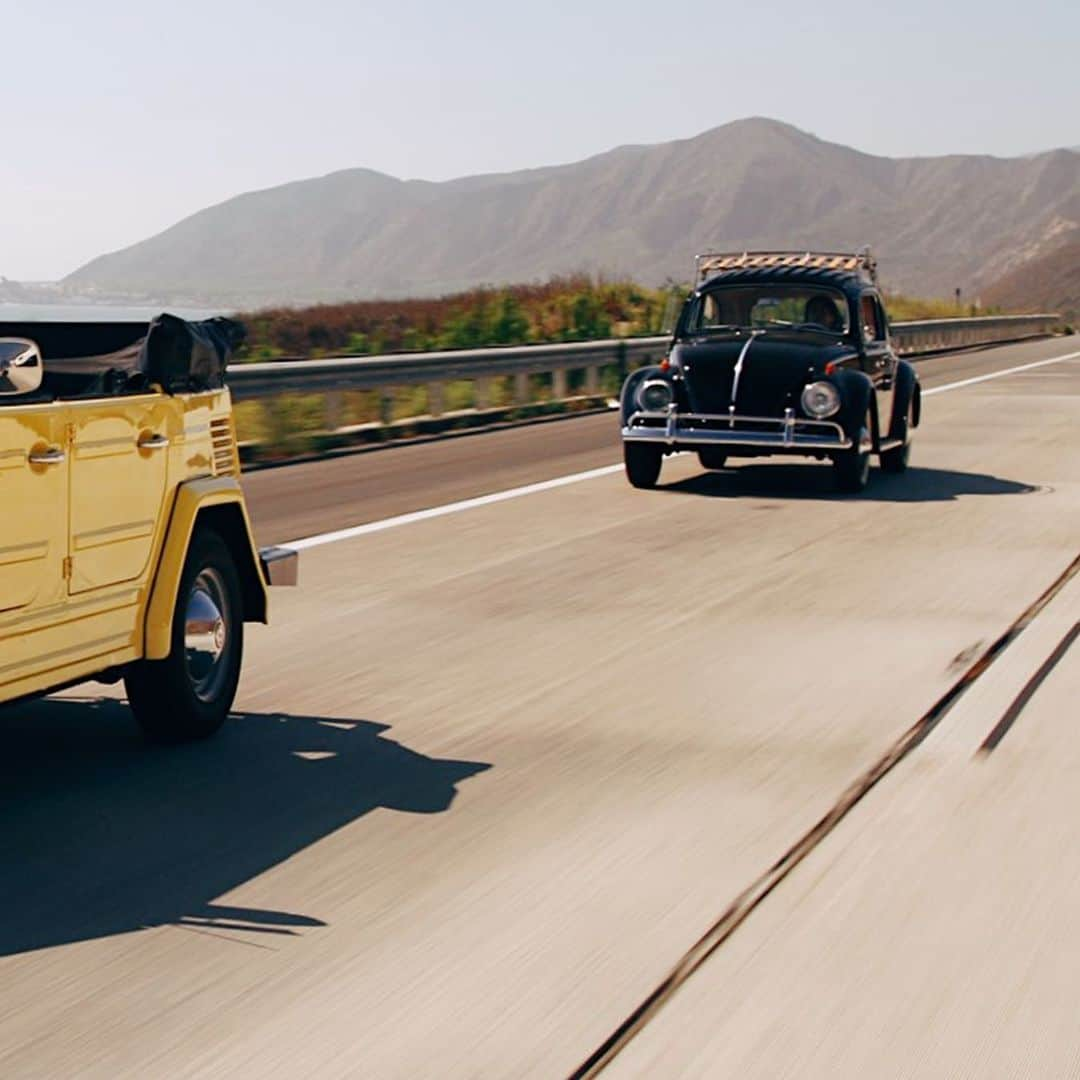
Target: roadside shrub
pixel 576 308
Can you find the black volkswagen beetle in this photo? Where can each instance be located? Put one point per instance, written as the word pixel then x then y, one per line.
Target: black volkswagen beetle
pixel 776 353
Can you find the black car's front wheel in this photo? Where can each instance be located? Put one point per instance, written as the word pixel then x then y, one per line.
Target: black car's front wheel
pixel 852 467
pixel 643 461
pixel 712 458
pixel 896 460
pixel 189 693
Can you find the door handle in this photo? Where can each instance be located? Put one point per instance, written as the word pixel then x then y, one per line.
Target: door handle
pixel 53 456
pixel 153 442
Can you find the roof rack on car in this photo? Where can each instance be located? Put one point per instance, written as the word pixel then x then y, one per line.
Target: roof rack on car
pixel 862 261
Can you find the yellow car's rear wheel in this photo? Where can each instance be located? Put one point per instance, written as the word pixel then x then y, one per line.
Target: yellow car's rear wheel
pixel 189 694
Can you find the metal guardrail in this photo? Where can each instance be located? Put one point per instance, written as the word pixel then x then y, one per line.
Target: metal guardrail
pixel 332 377
pixel 940 335
pixel 411 369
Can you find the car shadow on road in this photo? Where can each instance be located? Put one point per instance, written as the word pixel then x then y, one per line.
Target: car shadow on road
pixel 813 481
pixel 103 834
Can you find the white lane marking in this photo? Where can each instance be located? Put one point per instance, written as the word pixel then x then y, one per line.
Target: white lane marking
pixel 998 374
pixel 449 508
pixel 563 481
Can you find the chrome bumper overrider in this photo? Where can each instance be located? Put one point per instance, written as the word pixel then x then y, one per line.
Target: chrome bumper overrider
pixel 789 432
pixel 280 565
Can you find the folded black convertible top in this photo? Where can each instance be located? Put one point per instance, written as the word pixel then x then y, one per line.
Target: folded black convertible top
pixel 177 354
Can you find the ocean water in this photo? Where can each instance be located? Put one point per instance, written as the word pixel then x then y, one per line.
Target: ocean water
pixel 10 312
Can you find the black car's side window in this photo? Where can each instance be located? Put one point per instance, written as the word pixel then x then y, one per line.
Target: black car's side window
pixel 871 318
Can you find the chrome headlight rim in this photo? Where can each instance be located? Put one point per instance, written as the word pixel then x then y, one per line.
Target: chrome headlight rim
pixel 820 400
pixel 668 394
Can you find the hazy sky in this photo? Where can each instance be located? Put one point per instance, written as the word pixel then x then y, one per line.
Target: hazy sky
pixel 122 117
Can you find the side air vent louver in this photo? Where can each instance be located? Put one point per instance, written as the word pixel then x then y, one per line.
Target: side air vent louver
pixel 221 436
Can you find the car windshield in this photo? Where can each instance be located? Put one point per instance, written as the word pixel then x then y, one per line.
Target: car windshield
pixel 768 307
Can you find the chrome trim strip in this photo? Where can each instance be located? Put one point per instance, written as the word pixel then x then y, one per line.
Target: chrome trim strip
pixel 52 456
pixel 739 366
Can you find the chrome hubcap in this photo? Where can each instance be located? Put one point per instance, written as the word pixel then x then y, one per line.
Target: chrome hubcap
pixel 206 634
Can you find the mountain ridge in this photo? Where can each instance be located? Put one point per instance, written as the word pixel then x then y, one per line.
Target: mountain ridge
pixel 636 210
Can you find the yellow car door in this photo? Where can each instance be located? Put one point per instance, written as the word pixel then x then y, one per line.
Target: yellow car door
pixel 119 470
pixel 33 495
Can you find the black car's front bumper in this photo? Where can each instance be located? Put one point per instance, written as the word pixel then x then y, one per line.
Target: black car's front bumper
pixel 789 433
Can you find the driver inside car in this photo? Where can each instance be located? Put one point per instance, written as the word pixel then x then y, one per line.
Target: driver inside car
pixel 822 310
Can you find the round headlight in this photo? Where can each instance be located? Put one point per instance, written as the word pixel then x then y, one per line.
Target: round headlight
pixel 820 399
pixel 655 395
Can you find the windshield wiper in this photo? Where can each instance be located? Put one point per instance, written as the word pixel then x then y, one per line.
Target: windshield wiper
pixel 817 328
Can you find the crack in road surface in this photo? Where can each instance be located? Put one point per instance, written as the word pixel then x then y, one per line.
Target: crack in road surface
pixel 1012 713
pixel 743 906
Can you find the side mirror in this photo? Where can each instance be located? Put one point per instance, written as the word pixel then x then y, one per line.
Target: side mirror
pixel 21 369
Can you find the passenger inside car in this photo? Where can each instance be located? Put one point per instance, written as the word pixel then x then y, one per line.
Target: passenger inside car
pixel 822 311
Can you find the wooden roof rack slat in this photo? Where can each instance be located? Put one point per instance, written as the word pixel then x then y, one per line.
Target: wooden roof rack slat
pixel 711 263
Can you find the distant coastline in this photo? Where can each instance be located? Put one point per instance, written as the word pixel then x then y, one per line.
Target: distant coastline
pixel 61 312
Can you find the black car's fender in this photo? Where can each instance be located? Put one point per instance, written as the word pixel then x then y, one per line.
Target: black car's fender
pixel 857 398
pixel 908 393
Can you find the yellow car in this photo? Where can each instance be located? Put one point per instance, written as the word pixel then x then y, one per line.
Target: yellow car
pixel 125 545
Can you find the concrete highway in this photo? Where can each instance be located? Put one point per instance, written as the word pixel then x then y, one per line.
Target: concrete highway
pixel 301 500
pixel 494 771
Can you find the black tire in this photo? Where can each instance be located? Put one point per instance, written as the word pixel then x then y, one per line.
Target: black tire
pixel 189 694
pixel 712 458
pixel 896 460
pixel 851 468
pixel 643 461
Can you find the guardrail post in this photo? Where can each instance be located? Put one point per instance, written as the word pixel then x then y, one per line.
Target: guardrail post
pixel 386 407
pixel 521 388
pixel 559 389
pixel 482 393
pixel 334 413
pixel 620 361
pixel 435 398
pixel 592 380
